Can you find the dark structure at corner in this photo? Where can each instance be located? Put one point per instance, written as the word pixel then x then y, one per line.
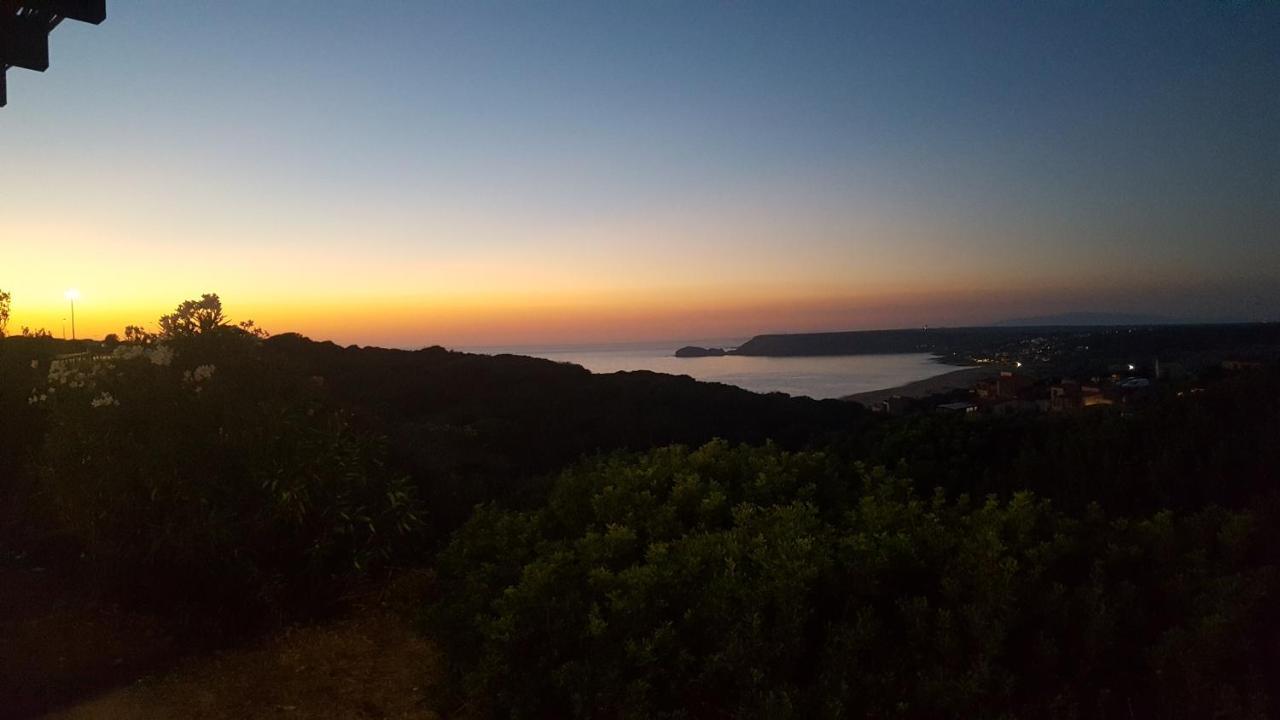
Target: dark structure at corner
pixel 25 26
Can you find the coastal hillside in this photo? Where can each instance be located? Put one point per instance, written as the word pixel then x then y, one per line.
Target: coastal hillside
pixel 474 427
pixel 555 532
pixel 967 345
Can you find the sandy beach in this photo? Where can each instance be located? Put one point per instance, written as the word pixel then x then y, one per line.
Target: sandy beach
pixel 957 379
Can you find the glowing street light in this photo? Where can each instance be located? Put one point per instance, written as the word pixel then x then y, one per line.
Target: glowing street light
pixel 73 295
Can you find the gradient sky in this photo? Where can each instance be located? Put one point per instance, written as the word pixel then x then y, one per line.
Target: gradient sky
pixel 471 173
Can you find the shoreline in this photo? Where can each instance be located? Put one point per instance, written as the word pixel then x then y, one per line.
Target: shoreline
pixel 958 379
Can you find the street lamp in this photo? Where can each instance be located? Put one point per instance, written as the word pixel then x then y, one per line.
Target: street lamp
pixel 73 295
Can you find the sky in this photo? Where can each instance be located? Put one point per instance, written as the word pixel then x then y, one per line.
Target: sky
pixel 497 173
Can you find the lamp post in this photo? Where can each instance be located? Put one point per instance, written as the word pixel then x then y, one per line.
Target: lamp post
pixel 73 295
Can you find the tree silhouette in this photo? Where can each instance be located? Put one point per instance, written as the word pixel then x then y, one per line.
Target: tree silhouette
pixel 136 334
pixel 194 317
pixel 5 299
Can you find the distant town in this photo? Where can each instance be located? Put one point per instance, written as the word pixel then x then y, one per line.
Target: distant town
pixel 1057 371
pixel 1029 369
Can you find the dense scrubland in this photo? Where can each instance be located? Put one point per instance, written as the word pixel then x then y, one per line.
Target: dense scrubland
pixel 641 545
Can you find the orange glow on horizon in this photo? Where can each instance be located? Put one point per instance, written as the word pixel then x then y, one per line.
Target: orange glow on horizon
pixel 512 319
pixel 558 291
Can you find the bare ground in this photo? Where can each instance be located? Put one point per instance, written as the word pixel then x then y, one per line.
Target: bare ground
pixel 58 642
pixel 368 665
pixel 66 651
pixel 959 379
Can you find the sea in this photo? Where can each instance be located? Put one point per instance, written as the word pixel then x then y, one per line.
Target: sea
pixel 815 377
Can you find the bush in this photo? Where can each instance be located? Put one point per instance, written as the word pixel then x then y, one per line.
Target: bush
pixel 21 424
pixel 759 583
pixel 205 472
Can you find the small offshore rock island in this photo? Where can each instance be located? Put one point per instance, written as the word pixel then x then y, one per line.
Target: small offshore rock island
pixel 693 351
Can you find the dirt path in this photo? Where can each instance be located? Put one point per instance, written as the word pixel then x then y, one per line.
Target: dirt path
pixel 63 646
pixel 368 665
pixel 59 642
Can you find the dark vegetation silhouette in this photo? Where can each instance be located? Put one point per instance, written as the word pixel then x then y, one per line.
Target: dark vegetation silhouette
pixel 474 428
pixel 753 582
pixel 644 545
pixel 6 300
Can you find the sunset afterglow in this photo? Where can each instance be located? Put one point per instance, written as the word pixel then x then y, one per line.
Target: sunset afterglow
pixel 672 172
pixel 639 359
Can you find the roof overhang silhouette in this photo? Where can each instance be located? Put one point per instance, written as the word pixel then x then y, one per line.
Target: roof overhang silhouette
pixel 25 26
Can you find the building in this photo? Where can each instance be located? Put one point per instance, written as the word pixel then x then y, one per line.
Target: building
pixel 1066 395
pixel 1071 395
pixel 961 408
pixel 895 405
pixel 1011 384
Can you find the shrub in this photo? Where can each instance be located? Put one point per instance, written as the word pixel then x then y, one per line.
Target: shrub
pixel 21 426
pixel 212 473
pixel 759 583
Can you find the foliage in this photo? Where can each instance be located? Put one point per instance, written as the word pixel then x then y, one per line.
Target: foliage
pixel 21 424
pixel 477 428
pixel 193 317
pixel 202 466
pixel 187 489
pixel 1182 451
pixel 5 301
pixel 755 582
pixel 212 463
pixel 136 334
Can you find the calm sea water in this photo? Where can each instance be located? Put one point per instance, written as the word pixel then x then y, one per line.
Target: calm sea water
pixel 816 377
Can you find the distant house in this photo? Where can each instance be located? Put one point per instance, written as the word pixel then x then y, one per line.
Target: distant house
pixel 895 405
pixel 1010 384
pixel 1236 365
pixel 1071 395
pixel 963 407
pixel 1007 386
pixel 1065 396
pixel 1093 396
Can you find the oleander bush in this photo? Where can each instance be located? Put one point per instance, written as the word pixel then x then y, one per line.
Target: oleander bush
pixel 751 582
pixel 200 468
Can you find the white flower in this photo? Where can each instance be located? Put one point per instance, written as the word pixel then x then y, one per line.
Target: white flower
pixel 103 400
pixel 127 352
pixel 35 364
pixel 202 373
pixel 161 355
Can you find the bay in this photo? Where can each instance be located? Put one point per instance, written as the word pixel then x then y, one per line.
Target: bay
pixel 816 377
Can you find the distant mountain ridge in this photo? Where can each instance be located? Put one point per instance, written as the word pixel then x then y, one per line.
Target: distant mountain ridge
pixel 962 345
pixel 1094 319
